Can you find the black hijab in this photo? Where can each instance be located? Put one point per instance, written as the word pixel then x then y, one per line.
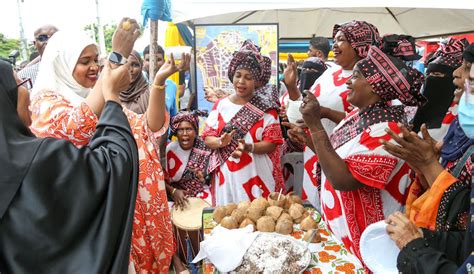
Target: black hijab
pixel 311 70
pixel 64 209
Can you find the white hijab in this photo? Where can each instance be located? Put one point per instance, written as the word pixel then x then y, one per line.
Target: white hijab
pixel 57 66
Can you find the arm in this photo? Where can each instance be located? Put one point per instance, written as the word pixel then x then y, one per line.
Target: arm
pixel 333 165
pixel 333 115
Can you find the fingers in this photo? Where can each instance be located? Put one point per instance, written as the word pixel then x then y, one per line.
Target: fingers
pixel 288 124
pixel 396 138
pixel 172 59
pixel 290 60
pixel 393 149
pixel 309 96
pixel 426 135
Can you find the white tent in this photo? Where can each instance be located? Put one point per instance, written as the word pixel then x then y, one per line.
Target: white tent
pixel 305 18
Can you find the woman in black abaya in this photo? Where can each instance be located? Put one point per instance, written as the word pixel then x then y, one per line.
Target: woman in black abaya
pixel 64 209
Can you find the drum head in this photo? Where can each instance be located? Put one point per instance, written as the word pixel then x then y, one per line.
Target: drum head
pixel 190 217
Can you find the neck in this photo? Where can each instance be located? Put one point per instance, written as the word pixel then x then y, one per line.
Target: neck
pixel 350 66
pixel 240 100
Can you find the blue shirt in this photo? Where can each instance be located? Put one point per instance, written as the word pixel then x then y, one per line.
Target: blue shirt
pixel 170 98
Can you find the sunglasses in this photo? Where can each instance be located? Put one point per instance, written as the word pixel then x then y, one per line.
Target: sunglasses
pixel 42 38
pixel 26 83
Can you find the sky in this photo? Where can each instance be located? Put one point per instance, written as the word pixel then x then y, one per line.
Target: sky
pixel 69 14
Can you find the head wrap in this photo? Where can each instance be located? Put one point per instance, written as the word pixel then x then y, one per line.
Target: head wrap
pixel 133 98
pixel 360 34
pixel 468 54
pixel 57 66
pixel 401 46
pixel 187 116
pixel 249 58
pixel 391 79
pixel 312 68
pixel 449 53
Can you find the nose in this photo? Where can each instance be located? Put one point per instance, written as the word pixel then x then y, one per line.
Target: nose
pixel 349 81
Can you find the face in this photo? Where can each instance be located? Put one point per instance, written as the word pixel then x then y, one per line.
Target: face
pixel 460 75
pixel 87 67
pixel 42 36
pixel 135 68
pixel 361 94
pixel 244 84
pixel 160 60
pixel 313 52
pixel 186 135
pixel 23 103
pixel 344 54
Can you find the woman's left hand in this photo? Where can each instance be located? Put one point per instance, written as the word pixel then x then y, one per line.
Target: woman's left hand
pixel 401 230
pixel 241 148
pixel 311 110
pixel 170 67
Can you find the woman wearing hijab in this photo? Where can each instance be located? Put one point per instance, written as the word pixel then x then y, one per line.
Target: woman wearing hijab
pixel 55 215
pixel 59 110
pixel 440 109
pixel 244 131
pixel 351 43
pixel 136 97
pixel 361 182
pixel 424 250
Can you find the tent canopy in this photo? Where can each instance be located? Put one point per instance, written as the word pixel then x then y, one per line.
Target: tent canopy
pixel 302 19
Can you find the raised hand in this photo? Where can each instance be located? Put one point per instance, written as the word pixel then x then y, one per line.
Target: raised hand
pixel 170 67
pixel 114 80
pixel 311 110
pixel 290 73
pixel 125 36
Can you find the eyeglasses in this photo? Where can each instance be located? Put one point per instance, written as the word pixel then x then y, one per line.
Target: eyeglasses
pixel 26 83
pixel 42 38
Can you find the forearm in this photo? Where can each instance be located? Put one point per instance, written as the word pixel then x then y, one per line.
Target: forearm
pixel 431 172
pixel 156 108
pixel 95 100
pixel 293 93
pixel 262 147
pixel 331 163
pixel 334 115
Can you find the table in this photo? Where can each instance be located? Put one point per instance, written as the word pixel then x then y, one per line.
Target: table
pixel 328 257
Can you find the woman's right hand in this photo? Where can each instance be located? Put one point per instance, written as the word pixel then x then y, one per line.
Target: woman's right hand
pixel 295 133
pixel 114 80
pixel 290 73
pixel 226 138
pixel 180 198
pixel 125 36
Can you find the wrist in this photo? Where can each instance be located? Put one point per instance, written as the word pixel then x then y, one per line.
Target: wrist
pixel 219 142
pixel 315 126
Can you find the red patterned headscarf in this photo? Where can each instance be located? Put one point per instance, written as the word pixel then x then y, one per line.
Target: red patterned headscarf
pixel 360 34
pixel 450 52
pixel 186 116
pixel 391 79
pixel 249 58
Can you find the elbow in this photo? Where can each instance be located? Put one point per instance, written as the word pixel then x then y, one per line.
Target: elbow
pixel 345 183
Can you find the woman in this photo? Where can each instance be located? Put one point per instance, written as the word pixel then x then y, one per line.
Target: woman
pixel 136 97
pixel 362 183
pixel 422 249
pixel 244 131
pixel 56 215
pixel 59 110
pixel 351 43
pixel 187 160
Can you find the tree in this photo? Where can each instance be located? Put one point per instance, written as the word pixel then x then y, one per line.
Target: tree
pixel 7 45
pixel 108 33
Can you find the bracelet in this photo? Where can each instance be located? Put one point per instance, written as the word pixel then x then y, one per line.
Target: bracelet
pixel 174 190
pixel 158 87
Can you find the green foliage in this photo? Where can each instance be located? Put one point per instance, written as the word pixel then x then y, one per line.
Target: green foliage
pixel 7 45
pixel 109 30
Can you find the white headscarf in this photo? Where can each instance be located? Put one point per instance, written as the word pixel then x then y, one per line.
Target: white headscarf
pixel 57 66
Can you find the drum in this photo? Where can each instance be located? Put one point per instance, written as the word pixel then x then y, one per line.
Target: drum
pixel 187 227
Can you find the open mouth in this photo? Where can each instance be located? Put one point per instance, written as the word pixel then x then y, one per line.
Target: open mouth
pixel 92 77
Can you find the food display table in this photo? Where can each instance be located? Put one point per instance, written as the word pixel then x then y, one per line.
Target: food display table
pixel 328 257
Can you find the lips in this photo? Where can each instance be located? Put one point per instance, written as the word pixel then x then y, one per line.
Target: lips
pixel 92 77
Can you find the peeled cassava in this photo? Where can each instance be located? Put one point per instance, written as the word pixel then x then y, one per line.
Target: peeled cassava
pixel 284 227
pixel 229 222
pixel 266 224
pixel 219 213
pixel 274 212
pixel 308 223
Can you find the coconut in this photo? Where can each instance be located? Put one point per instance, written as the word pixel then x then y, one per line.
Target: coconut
pixel 229 208
pixel 219 213
pixel 244 205
pixel 266 224
pixel 291 198
pixel 261 202
pixel 308 223
pixel 247 222
pixel 274 212
pixel 285 216
pixel 284 227
pixel 254 212
pixel 316 238
pixel 296 211
pixel 300 219
pixel 229 222
pixel 239 214
pixel 274 201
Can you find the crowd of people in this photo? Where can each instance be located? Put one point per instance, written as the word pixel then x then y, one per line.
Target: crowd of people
pixel 95 152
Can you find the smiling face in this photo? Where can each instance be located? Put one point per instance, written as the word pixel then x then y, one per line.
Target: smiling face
pixel 87 67
pixel 460 75
pixel 186 135
pixel 344 54
pixel 244 84
pixel 361 94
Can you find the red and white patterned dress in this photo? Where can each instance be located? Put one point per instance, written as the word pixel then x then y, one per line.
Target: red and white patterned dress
pixel 331 91
pixel 253 175
pixel 439 133
pixel 385 179
pixel 152 236
pixel 177 160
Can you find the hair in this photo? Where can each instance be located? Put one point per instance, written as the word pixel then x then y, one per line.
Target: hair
pixel 159 50
pixel 321 43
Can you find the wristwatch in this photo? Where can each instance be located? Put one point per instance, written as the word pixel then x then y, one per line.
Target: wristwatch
pixel 117 58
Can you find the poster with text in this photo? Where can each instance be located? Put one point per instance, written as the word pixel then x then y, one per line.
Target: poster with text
pixel 214 48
